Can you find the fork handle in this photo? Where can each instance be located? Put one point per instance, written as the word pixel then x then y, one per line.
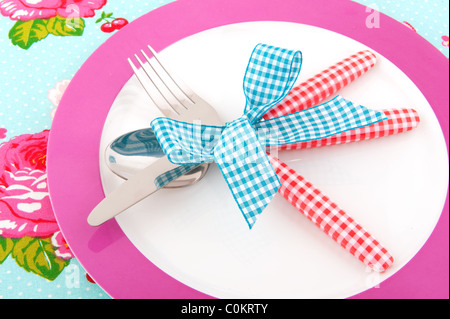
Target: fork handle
pixel 331 219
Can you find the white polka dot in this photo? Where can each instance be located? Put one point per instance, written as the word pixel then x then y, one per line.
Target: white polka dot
pixel 55 58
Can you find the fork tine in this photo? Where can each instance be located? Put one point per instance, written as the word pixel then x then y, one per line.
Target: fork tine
pixel 140 78
pixel 169 84
pixel 151 90
pixel 161 86
pixel 178 82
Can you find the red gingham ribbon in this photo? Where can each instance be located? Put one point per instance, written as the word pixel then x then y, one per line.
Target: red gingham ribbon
pixel 302 194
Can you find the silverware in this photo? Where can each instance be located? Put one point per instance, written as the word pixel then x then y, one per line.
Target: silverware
pixel 134 151
pixel 175 100
pixel 360 244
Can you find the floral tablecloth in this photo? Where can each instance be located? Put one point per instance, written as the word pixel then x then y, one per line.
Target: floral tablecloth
pixel 41 48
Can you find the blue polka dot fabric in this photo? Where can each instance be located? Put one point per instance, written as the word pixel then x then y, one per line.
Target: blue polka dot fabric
pixel 40 53
pixel 427 18
pixel 35 70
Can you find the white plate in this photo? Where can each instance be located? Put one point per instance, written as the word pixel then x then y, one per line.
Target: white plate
pixel 394 187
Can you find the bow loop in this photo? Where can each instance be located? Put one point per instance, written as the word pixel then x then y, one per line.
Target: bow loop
pixel 270 76
pixel 238 148
pixel 247 170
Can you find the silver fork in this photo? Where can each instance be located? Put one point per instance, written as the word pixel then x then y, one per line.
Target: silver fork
pixel 175 100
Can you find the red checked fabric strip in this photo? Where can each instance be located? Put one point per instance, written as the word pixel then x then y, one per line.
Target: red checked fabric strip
pixel 330 218
pixel 325 84
pixel 399 121
pixel 302 194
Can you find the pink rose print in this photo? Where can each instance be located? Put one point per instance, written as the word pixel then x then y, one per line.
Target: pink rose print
pixel 25 10
pixel 25 208
pixel 55 94
pixel 3 132
pixel 63 249
pixel 36 19
pixel 29 232
pixel 445 40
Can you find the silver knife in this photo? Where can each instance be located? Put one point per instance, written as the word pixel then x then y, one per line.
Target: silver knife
pixel 136 188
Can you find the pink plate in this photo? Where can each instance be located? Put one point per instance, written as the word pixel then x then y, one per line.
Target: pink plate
pixel 73 154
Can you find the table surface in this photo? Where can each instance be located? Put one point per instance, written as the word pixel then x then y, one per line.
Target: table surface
pixel 34 73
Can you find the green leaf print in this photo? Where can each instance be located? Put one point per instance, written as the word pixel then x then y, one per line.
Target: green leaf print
pixel 37 255
pixel 25 33
pixel 65 26
pixel 6 246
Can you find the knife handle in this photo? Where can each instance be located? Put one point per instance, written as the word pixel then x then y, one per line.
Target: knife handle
pixel 331 219
pixel 324 84
pixel 398 121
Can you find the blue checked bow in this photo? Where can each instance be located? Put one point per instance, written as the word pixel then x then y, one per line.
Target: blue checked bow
pixel 238 148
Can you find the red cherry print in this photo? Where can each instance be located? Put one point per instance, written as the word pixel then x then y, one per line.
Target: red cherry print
pixel 107 27
pixel 90 279
pixel 119 23
pixel 110 23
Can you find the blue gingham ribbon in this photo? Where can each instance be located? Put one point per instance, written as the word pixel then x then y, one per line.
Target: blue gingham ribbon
pixel 238 148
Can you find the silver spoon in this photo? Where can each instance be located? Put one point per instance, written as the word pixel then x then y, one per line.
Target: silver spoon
pixel 136 150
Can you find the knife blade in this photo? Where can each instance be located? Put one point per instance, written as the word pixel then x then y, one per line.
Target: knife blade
pixel 136 188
